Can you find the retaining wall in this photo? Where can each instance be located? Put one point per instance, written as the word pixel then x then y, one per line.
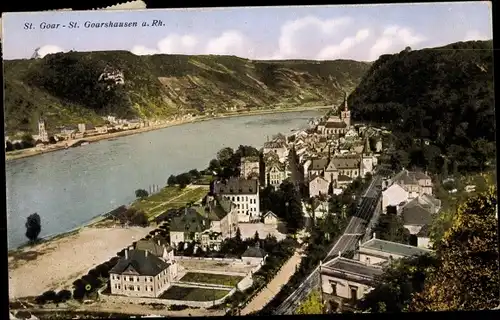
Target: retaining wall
pixel 167 302
pixel 208 259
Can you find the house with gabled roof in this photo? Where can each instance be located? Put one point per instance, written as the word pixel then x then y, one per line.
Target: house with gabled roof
pixel 254 255
pixel 318 186
pixel 140 274
pixel 415 182
pixel 276 173
pixel 270 218
pixel 395 196
pixel 219 215
pixel 415 216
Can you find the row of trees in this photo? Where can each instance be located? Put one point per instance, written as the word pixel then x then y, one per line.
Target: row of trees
pixel 461 275
pixel 185 178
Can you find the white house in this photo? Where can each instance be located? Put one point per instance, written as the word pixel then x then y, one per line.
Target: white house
pixel 318 186
pixel 423 238
pixel 140 274
pixel 270 218
pixel 244 193
pixel 395 195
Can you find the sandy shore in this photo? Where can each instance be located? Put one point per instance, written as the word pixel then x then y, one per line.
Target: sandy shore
pixel 57 263
pixel 18 154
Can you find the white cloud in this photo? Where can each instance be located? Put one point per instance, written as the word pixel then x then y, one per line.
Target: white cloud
pixel 230 42
pixel 295 33
pixel 48 49
pixel 394 38
pixel 337 51
pixel 303 38
pixel 475 35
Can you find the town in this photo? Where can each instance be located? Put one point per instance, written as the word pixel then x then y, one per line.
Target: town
pixel 230 238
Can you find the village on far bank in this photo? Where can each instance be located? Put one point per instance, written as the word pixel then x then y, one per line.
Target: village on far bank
pixel 224 239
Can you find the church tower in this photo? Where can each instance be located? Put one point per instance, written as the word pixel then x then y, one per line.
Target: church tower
pixel 345 114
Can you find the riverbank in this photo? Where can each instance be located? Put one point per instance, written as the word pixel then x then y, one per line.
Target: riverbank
pixel 32 269
pixel 18 154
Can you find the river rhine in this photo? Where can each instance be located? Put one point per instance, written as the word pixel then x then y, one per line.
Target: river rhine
pixel 67 188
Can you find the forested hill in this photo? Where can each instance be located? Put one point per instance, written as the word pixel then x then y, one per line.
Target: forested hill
pixel 67 88
pixel 441 94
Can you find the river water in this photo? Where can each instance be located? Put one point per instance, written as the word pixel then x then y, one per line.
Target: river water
pixel 68 188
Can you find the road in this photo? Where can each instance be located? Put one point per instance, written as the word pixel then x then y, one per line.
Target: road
pixel 354 231
pixel 268 293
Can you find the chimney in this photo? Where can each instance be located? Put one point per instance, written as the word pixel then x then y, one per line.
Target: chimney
pixel 374 235
pixel 159 242
pixel 146 253
pixel 340 253
pixel 126 253
pixel 359 243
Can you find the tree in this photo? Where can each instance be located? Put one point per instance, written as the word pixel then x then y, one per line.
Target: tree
pixel 224 156
pixel 33 227
pixel 390 227
pixel 466 277
pixel 141 193
pixel 27 141
pixel 256 238
pixel 214 165
pixel 194 173
pixel 9 146
pixel 172 180
pixel 183 180
pixel 237 237
pixel 312 305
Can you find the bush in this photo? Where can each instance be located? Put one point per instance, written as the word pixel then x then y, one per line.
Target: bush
pixel 40 300
pixel 49 295
pixel 94 273
pixel 63 295
pixel 78 293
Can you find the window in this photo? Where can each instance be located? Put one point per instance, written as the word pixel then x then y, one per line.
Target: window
pixel 333 284
pixel 119 287
pixel 238 198
pixel 354 293
pixel 367 260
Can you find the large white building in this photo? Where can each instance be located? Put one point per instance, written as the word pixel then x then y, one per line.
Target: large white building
pixel 146 271
pixel 244 193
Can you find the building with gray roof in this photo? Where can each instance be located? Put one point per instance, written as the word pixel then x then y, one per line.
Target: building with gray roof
pixel 140 274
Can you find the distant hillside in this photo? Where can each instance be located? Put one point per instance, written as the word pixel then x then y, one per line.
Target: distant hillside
pixel 443 94
pixel 68 88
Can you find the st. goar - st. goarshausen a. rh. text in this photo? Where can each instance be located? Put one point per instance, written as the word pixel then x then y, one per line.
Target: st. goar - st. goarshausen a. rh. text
pixel 94 25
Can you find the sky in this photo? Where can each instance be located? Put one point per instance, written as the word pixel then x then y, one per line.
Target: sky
pixel 358 32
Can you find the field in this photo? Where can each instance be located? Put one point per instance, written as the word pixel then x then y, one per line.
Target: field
pixel 212 278
pixel 169 198
pixel 193 294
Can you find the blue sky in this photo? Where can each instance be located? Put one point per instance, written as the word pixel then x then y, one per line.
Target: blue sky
pixel 316 32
